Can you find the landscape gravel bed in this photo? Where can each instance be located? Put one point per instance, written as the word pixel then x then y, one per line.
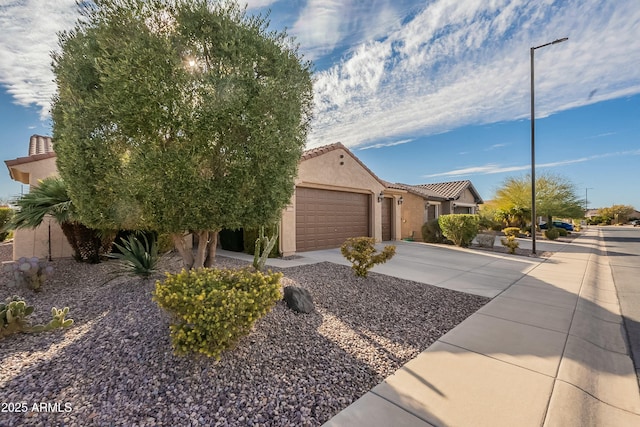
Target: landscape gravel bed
pixel 115 365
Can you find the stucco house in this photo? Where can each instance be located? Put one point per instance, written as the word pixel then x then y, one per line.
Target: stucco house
pixel 428 201
pixel 336 196
pixel 47 240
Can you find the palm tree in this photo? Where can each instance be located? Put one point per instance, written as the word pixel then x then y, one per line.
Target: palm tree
pixel 50 197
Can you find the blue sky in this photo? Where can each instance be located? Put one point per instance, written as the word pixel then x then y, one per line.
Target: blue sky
pixel 421 91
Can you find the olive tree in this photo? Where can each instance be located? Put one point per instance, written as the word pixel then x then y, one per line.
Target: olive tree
pixel 555 196
pixel 179 116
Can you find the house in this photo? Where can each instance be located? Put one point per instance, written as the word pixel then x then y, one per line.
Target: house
pixel 425 202
pixel 336 197
pixel 47 240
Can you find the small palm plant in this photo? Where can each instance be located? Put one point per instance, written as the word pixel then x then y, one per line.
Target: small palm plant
pixel 137 257
pixel 50 197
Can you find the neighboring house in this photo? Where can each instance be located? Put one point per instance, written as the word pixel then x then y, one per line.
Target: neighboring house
pixel 428 201
pixel 336 197
pixel 47 240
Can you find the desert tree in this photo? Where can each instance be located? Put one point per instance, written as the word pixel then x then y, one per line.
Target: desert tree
pixel 179 116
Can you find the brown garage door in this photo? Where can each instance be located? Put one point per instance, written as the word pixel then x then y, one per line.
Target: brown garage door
pixel 325 219
pixel 387 206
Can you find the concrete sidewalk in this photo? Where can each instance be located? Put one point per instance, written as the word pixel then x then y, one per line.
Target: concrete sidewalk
pixel 548 350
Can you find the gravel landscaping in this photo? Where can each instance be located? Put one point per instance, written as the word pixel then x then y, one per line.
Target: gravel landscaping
pixel 115 365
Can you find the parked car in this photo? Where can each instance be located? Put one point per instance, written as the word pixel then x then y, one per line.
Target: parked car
pixel 558 224
pixel 636 223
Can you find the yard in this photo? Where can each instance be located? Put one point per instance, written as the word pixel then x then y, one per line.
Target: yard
pixel 115 365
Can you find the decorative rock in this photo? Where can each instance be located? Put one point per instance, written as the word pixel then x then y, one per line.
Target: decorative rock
pixel 298 299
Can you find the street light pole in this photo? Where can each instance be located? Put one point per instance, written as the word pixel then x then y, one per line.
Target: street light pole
pixel 586 204
pixel 534 221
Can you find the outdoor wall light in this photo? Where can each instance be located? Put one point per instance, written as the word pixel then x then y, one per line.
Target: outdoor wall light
pixel 380 197
pixel 400 200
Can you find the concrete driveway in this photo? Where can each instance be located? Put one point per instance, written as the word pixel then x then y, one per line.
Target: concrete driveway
pixel 475 272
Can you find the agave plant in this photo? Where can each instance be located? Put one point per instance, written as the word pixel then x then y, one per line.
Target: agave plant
pixel 137 257
pixel 50 197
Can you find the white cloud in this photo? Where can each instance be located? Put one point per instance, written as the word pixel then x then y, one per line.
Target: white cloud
pixel 496 146
pixel 492 168
pixel 386 144
pixel 460 63
pixel 27 38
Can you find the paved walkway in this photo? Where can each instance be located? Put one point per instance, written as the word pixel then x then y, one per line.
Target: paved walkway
pixel 550 349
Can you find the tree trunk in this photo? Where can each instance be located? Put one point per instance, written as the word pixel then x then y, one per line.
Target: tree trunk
pixel 211 253
pixel 201 254
pixel 185 253
pixel 68 231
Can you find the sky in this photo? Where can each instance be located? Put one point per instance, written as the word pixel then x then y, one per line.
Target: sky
pixel 422 91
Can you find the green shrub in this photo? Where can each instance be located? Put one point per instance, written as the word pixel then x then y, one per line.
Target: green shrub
pixel 136 257
pixel 29 272
pixel 165 243
pixel 5 218
pixel 459 228
pixel 562 232
pixel 511 231
pixel 213 308
pixel 361 252
pixel 431 232
pixel 552 233
pixel 511 243
pixel 13 317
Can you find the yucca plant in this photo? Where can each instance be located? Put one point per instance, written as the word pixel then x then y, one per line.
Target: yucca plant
pixel 137 257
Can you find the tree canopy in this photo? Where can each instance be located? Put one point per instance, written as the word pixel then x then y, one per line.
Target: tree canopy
pixel 555 196
pixel 180 115
pixel 618 213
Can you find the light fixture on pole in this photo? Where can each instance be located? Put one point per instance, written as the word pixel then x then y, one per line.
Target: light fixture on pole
pixel 533 148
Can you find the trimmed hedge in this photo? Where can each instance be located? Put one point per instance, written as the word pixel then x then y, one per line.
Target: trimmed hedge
pixel 213 308
pixel 511 231
pixel 459 228
pixel 431 232
pixel 552 233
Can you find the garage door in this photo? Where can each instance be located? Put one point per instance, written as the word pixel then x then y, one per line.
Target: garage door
pixel 387 206
pixel 325 219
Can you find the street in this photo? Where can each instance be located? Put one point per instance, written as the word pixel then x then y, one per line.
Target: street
pixel 623 249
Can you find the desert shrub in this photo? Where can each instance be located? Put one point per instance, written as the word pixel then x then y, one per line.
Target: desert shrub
pixel 361 252
pixel 486 239
pixel 459 228
pixel 431 232
pixel 562 232
pixel 213 308
pixel 511 243
pixel 29 272
pixel 552 233
pixel 577 226
pixel 511 231
pixel 5 219
pixel 13 317
pixel 136 257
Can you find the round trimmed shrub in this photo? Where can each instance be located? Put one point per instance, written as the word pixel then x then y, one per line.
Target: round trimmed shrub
pixel 552 233
pixel 511 231
pixel 562 232
pixel 459 228
pixel 213 308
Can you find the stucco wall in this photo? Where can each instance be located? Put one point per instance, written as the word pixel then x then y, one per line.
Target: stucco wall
pixel 333 170
pixel 466 197
pixel 29 243
pixel 413 216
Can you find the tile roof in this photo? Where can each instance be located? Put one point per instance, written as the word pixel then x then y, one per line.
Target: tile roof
pixel 419 191
pixel 318 151
pixel 450 190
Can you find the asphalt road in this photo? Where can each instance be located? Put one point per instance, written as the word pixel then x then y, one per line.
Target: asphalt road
pixel 623 249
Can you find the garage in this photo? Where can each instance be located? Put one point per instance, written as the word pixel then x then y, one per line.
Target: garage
pixel 326 218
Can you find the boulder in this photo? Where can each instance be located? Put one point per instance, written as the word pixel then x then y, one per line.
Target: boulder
pixel 298 299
